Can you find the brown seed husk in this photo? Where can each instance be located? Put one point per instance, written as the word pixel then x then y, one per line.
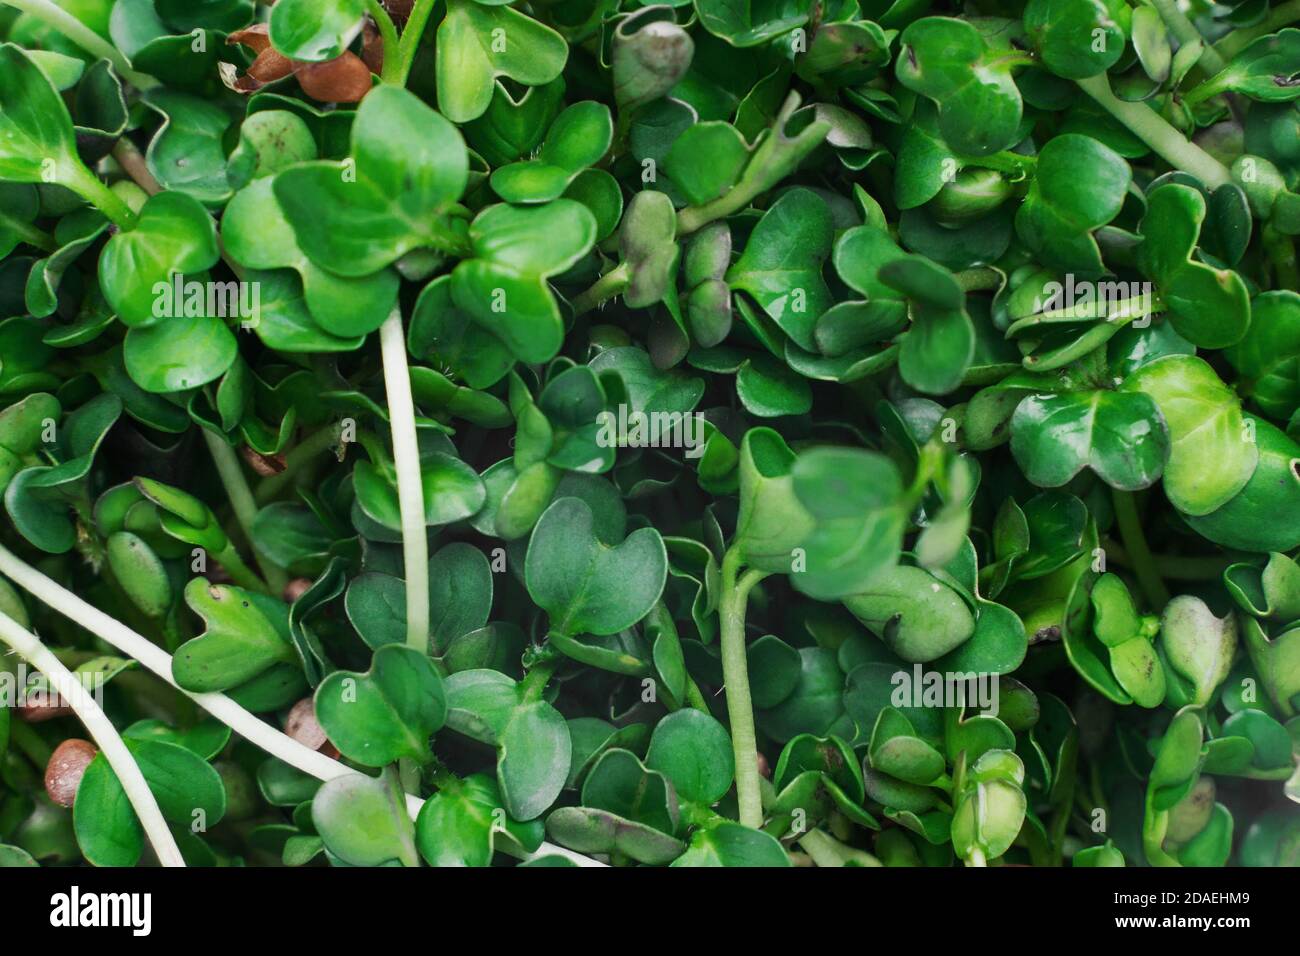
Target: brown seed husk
pixel 66 768
pixel 344 79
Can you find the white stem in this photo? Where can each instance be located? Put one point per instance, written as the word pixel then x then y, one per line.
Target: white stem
pixel 410 491
pixel 243 505
pixel 61 679
pixel 155 659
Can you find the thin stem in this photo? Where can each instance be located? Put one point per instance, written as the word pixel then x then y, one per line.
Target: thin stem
pixel 101 729
pixel 1278 17
pixel 155 659
pixel 612 283
pixel 1166 141
pixel 411 34
pixel 1174 566
pixel 307 449
pixel 388 33
pixel 825 850
pixel 133 163
pixel 241 573
pixel 89 187
pixel 1280 250
pixel 735 677
pixel 693 696
pixel 1185 31
pixel 1135 542
pixel 242 503
pixel 539 675
pixel 32 235
pixel 410 492
pixel 82 35
pixel 1123 312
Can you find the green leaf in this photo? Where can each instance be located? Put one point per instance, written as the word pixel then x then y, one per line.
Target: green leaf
pixel 950 62
pixel 588 587
pixel 315 31
pixel 364 822
pixel 1121 436
pixel 1209 307
pixel 752 22
pixel 1076 38
pixel 730 844
pixel 1079 186
pixel 534 758
pixel 1198 645
pixel 174 236
pixel 579 137
pixel 1211 454
pixel 408 167
pixel 256 233
pixel 781 266
pixel 245 634
pixel 917 616
pixel 694 752
pixel 479 42
pixel 506 279
pixel 457 826
pixel 390 711
pixel 1266 70
pixel 1268 358
pixel 37 143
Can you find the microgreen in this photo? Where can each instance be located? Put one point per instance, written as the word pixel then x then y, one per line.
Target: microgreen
pixel 693 434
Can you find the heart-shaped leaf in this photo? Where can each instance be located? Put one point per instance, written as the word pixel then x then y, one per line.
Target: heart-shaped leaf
pixel 245 634
pixel 1121 436
pixel 970 82
pixel 586 586
pixel 503 288
pixel 479 42
pixel 174 236
pixel 1211 455
pixel 388 712
pixel 579 137
pixel 781 266
pixel 363 821
pixel 408 167
pixel 1209 307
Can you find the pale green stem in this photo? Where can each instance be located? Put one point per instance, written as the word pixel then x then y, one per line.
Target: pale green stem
pixel 155 659
pixel 612 283
pixel 388 33
pixel 105 735
pixel 82 35
pixel 735 677
pixel 242 503
pixel 89 187
pixel 1166 141
pixel 1139 553
pixel 827 851
pixel 410 492
pixel 307 449
pixel 1280 16
pixel 1185 31
pixel 32 235
pixel 133 163
pixel 411 34
pixel 240 573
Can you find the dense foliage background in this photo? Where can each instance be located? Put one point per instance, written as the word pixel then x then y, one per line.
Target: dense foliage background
pixel 611 424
